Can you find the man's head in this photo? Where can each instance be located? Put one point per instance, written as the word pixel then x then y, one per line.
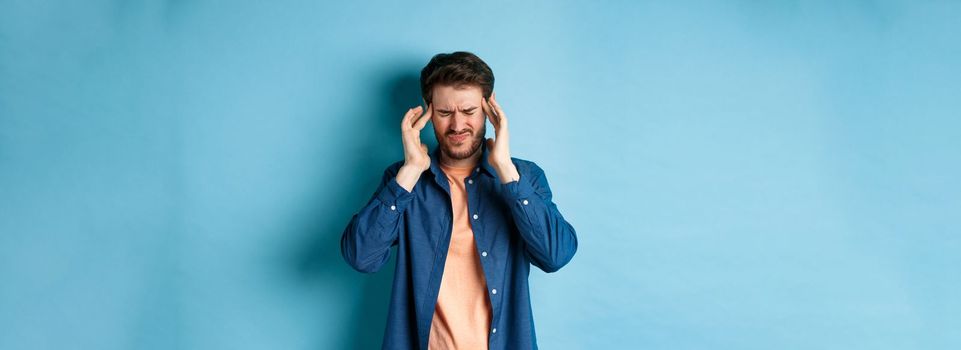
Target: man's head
pixel 457 84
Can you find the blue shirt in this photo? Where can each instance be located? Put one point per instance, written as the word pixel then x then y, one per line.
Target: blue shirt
pixel 515 225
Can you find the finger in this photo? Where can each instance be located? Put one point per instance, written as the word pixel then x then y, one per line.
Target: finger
pixel 406 122
pixel 497 107
pixel 490 144
pixel 501 132
pixel 419 125
pixel 410 111
pixel 489 111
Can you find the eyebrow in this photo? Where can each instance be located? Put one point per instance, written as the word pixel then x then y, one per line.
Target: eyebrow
pixel 465 110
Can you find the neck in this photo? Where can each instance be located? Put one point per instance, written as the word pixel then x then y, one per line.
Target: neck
pixel 468 162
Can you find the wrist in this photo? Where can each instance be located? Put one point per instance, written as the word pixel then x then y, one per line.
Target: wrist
pixel 500 165
pixel 407 177
pixel 507 173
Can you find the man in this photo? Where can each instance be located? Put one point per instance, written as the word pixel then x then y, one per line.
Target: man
pixel 468 221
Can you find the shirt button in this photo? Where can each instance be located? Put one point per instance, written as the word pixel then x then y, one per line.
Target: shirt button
pixel 494 291
pixel 470 181
pixel 475 216
pixel 393 207
pixel 525 202
pixel 494 330
pixel 483 253
pixel 477 169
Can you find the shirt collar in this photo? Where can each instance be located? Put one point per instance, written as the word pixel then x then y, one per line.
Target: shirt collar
pixel 483 164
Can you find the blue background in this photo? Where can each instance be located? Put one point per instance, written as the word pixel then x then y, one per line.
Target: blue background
pixel 742 175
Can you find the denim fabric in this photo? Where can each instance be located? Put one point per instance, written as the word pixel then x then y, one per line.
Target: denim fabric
pixel 515 225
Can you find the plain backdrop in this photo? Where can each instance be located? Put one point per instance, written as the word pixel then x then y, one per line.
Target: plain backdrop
pixel 741 174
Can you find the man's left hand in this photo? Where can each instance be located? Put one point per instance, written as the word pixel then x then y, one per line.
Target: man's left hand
pixel 498 149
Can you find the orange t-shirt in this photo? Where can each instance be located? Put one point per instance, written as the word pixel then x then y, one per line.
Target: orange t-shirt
pixel 462 316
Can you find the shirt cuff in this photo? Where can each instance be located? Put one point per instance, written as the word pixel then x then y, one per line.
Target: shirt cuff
pixel 394 198
pixel 521 189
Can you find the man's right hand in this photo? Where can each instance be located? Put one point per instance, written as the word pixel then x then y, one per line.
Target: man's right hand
pixel 416 158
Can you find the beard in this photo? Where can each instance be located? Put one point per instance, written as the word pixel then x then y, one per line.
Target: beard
pixel 475 139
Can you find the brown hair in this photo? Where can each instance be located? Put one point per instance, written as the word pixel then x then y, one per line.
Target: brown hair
pixel 456 69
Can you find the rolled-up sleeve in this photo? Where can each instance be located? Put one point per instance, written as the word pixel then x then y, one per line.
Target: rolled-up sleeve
pixel 550 240
pixel 365 243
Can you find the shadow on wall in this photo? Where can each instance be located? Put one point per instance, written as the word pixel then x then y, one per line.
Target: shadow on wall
pixel 317 261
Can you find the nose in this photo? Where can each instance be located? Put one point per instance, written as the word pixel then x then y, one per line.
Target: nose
pixel 459 122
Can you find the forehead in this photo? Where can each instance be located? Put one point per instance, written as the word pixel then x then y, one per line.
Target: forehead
pixel 448 96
